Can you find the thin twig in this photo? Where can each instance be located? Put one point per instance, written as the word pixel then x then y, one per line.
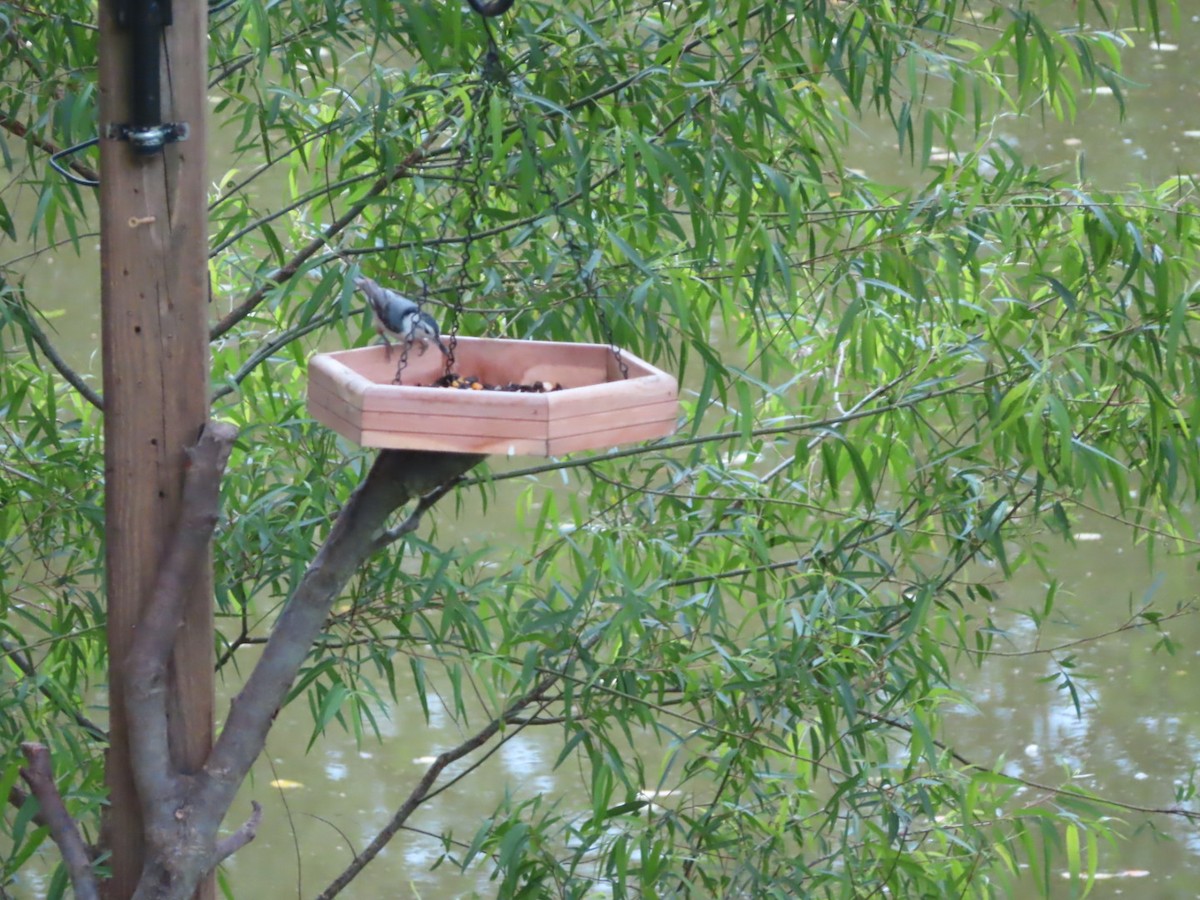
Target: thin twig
pixel 345 837
pixel 411 523
pixel 266 350
pixel 799 425
pixel 1137 621
pixel 17 798
pixel 31 327
pixel 39 775
pixel 284 210
pixel 47 248
pixel 22 661
pixel 1179 811
pixel 425 784
pixel 50 14
pixel 334 228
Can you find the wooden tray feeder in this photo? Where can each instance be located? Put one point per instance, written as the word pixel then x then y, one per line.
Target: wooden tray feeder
pixel 352 392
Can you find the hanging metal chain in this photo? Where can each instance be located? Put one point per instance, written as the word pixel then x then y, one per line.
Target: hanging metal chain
pixel 474 190
pixel 404 345
pixel 495 73
pixel 457 308
pixel 495 76
pixel 589 281
pixel 586 275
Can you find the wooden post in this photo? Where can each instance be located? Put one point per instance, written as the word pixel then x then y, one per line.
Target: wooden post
pixel 154 301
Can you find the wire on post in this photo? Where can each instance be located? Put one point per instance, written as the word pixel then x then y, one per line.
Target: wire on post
pixel 67 173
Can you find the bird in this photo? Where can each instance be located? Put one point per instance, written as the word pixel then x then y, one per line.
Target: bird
pixel 397 315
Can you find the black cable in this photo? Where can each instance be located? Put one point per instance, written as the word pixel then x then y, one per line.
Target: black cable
pixel 67 173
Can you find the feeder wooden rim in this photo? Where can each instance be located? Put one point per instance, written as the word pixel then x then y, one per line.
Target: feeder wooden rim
pixel 352 392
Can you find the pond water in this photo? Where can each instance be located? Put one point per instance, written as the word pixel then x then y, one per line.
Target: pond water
pixel 1135 737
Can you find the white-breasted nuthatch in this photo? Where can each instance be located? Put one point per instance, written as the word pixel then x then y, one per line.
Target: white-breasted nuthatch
pixel 398 315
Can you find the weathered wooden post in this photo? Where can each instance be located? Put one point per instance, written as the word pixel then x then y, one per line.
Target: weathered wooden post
pixel 154 298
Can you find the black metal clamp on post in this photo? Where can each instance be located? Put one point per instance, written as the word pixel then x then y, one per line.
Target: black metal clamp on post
pixel 146 132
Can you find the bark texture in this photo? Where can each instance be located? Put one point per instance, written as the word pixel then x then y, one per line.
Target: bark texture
pixel 40 777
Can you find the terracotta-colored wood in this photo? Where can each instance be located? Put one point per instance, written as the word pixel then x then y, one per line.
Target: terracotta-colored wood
pixel 460 444
pixel 154 299
pixel 625 434
pixel 563 427
pixel 352 392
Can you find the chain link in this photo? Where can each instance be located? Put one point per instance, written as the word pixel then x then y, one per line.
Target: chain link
pixel 404 345
pixel 474 190
pixel 493 76
pixel 585 276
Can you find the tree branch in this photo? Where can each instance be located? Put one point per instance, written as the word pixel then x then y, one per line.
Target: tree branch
pixel 662 445
pixel 286 271
pixel 420 793
pixel 182 811
pixel 35 333
pixel 21 660
pixel 395 478
pixel 40 778
pixel 282 211
pixel 11 125
pixel 18 798
pixel 1049 789
pixel 1138 621
pixel 150 652
pixel 413 521
pixel 265 351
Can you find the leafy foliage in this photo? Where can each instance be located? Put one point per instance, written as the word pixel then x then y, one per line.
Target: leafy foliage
pixel 894 398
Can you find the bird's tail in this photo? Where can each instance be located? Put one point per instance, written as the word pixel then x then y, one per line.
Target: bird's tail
pixel 373 292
